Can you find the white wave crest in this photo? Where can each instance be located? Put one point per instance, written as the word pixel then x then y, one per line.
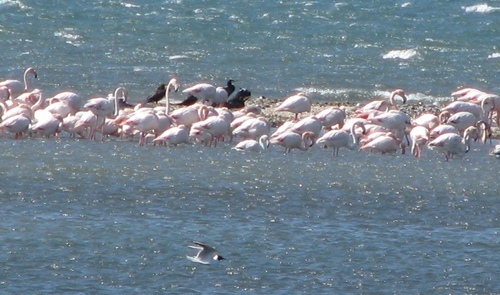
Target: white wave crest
pixel 480 8
pixel 400 54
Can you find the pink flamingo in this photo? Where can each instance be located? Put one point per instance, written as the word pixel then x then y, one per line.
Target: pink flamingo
pixel 296 104
pixel 174 136
pixel 72 100
pixel 46 123
pixel 429 121
pixel 216 126
pixel 253 128
pixel 310 123
pixel 340 138
pixel 144 122
pixel 383 105
pixel 17 124
pixel 386 143
pixel 291 140
pixel 419 137
pixel 189 115
pixel 464 106
pixel 16 87
pixel 332 116
pixel 442 129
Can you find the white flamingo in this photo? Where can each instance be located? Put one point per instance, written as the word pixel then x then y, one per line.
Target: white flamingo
pixel 253 145
pixel 453 144
pixel 102 108
pixel 204 92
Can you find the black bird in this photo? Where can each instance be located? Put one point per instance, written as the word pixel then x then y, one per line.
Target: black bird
pixel 159 93
pixel 239 99
pixel 190 100
pixel 230 87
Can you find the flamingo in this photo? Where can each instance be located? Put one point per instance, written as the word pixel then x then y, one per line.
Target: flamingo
pixel 253 128
pixel 291 140
pixel 46 123
pixel 462 120
pixel 340 138
pixel 68 125
pixel 189 115
pixel 491 105
pixel 464 106
pixel 216 126
pixel 296 104
pixel 144 122
pixel 419 137
pixel 383 105
pixel 203 92
pixel 253 145
pixel 442 129
pixel 467 94
pixel 310 123
pixel 429 121
pixel 331 116
pixel 102 108
pixel 453 144
pixel 174 136
pixel 386 143
pixel 72 100
pixel 16 87
pixel 17 124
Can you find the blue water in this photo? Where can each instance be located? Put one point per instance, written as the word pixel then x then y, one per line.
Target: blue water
pixel 83 217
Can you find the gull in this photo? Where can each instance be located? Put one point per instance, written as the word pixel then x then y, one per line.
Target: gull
pixel 205 253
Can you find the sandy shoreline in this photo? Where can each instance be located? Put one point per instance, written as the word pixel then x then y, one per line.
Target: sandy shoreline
pixel 414 109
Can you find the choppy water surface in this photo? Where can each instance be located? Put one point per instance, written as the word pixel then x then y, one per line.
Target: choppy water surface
pixel 89 217
pixel 81 217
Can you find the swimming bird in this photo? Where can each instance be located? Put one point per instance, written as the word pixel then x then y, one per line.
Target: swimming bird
pixel 296 104
pixel 253 145
pixel 205 254
pixel 495 151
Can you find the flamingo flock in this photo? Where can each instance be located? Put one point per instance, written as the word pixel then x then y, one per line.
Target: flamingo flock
pixel 210 115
